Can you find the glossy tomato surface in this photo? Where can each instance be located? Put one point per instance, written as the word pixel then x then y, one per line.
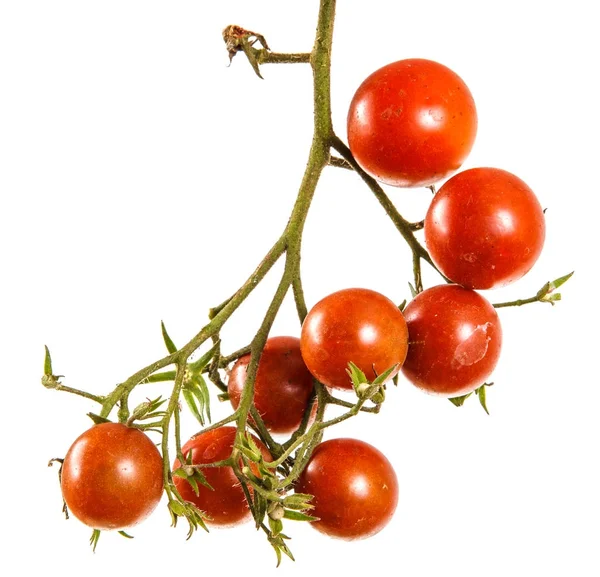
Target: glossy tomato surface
pixel 112 477
pixel 353 325
pixel 455 340
pixel 283 384
pixel 355 488
pixel 226 505
pixel 485 228
pixel 412 123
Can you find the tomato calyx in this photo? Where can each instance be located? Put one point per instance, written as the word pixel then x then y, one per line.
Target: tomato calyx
pixel 366 390
pixel 196 519
pixel 481 395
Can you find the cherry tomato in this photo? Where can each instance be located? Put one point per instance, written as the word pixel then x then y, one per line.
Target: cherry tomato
pixel 412 123
pixel 226 504
pixel 112 477
pixel 282 387
pixel 485 228
pixel 454 340
pixel 354 486
pixel 357 325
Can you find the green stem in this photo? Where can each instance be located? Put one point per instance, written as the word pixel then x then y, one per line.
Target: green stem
pixel 265 57
pixel 96 398
pixel 317 160
pixel 518 302
pixel 205 333
pixel 403 226
pixel 226 361
pixel 171 408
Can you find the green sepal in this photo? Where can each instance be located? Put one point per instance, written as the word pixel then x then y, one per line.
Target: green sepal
pixel 168 342
pixel 299 501
pixel 199 365
pixel 98 420
pixel 559 281
pixel 249 52
pixel 413 291
pixel 276 526
pixel 402 305
pixel 180 473
pixel 47 363
pixel 177 508
pixel 94 539
pixel 459 401
pixel 481 394
pixel 194 485
pixel 298 516
pixel 191 403
pixel 122 533
pixel 384 377
pixel 196 389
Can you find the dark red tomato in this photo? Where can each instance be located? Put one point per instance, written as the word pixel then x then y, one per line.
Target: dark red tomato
pixel 226 504
pixel 353 325
pixel 455 339
pixel 112 477
pixel 485 228
pixel 282 387
pixel 354 486
pixel 412 123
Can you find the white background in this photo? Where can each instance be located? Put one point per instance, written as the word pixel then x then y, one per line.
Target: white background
pixel 142 179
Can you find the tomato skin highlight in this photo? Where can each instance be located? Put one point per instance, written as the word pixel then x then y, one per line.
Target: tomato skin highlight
pixel 355 488
pixel 412 123
pixel 485 228
pixel 112 477
pixel 283 384
pixel 226 504
pixel 455 340
pixel 353 325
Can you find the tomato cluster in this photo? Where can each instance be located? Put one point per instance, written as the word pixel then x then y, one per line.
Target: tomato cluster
pixel 411 123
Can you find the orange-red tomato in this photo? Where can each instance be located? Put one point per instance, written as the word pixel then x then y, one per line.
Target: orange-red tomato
pixel 282 387
pixel 353 325
pixel 355 488
pixel 112 477
pixel 226 504
pixel 412 123
pixel 485 228
pixel 455 339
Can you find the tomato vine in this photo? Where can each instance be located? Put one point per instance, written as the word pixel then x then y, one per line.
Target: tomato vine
pixel 265 483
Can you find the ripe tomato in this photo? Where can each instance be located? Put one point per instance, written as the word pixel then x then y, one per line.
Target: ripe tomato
pixel 455 340
pixel 354 486
pixel 282 387
pixel 226 504
pixel 112 477
pixel 357 325
pixel 485 228
pixel 412 123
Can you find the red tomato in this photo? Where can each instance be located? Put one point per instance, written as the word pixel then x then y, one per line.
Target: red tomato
pixel 455 340
pixel 226 504
pixel 485 228
pixel 112 477
pixel 282 387
pixel 412 123
pixel 354 486
pixel 357 325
